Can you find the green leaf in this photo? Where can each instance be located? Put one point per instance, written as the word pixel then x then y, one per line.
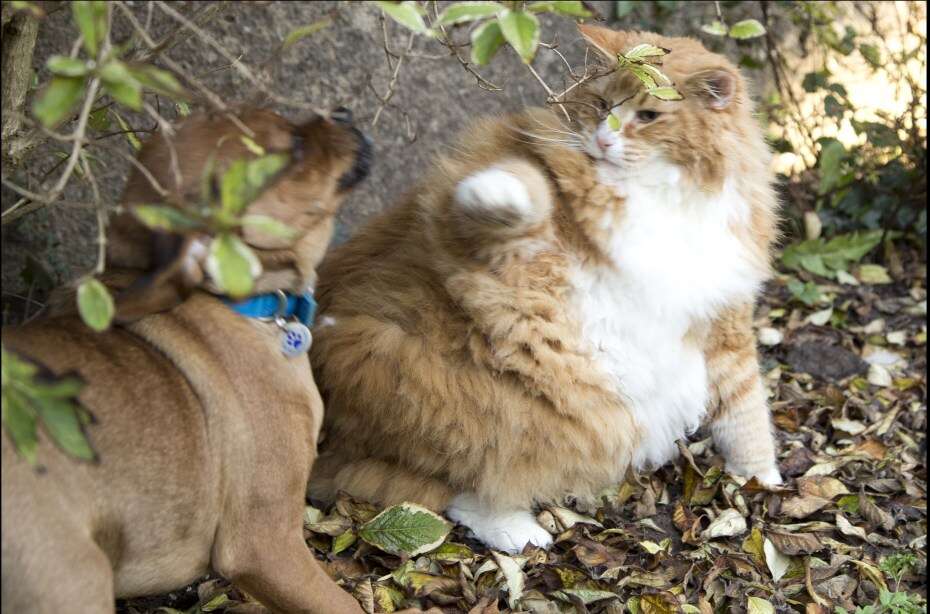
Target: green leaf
pixel 252 146
pixel 183 108
pixel 22 5
pixel 261 170
pixel 62 420
pixel 647 74
pixel 160 217
pixel 158 80
pixel 99 120
pixel 19 419
pixel 832 154
pixel 666 92
pixel 95 304
pixel 462 12
pixel 521 30
pixel 232 265
pixel 872 55
pixel 613 122
pixel 121 85
pixel 624 8
pixel 91 19
pixel 826 257
pixel 408 14
pixel 302 32
pixel 715 28
pixel 268 225
pixel 130 135
pixel 808 293
pixel 641 52
pixel 573 8
pixel 485 41
pixel 234 188
pixel 58 100
pixel 343 541
pixel 64 66
pixel 406 529
pixel 748 28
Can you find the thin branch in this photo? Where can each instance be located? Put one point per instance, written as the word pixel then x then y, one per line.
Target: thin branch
pixel 392 85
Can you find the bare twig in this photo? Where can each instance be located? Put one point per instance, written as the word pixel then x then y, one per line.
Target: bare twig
pixel 392 85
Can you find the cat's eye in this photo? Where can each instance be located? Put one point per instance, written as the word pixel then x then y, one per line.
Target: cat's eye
pixel 601 104
pixel 647 116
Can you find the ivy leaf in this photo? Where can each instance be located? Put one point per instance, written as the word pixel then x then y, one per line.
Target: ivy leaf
pixel 485 42
pixel 808 293
pixel 58 100
pixel 64 66
pixel 121 85
pixel 304 31
pixel 573 8
pixel 715 28
pixel 268 225
pixel 406 529
pixel 408 14
pixel 521 29
pixel 95 304
pixel 462 12
pixel 91 20
pixel 159 217
pixel 232 265
pixel 748 28
pixel 666 92
pixel 158 80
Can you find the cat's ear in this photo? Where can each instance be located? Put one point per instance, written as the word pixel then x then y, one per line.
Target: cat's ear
pixel 604 40
pixel 716 87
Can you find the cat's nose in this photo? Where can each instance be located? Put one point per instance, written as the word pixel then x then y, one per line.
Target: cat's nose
pixel 603 141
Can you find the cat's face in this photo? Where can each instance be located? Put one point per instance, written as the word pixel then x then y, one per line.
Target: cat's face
pixel 647 135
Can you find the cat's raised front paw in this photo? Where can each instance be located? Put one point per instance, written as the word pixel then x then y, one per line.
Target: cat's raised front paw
pixel 506 531
pixel 494 189
pixel 769 477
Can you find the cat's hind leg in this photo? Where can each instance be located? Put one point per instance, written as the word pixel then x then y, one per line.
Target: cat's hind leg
pixel 508 531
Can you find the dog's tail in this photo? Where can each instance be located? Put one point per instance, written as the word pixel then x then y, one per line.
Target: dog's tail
pixel 376 481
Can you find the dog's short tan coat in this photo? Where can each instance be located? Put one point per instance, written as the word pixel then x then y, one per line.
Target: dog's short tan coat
pixel 205 431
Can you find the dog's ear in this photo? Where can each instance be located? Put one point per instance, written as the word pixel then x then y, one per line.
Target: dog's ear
pixel 178 263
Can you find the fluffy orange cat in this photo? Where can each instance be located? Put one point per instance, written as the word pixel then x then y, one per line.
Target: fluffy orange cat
pixel 555 304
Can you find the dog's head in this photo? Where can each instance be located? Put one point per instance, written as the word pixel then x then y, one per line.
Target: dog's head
pixel 327 156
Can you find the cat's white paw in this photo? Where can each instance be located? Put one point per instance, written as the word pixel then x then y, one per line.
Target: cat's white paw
pixel 769 477
pixel 506 531
pixel 494 189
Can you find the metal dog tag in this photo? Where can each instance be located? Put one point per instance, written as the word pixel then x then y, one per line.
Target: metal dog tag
pixel 295 339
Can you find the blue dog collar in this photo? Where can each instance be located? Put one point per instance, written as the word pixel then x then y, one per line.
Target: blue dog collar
pixel 277 305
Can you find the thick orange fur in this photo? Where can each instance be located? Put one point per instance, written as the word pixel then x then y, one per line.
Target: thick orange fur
pixel 453 359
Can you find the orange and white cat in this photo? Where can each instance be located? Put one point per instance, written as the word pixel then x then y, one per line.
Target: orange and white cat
pixel 556 303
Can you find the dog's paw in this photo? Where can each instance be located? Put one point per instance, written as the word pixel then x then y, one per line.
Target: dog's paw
pixel 494 190
pixel 506 531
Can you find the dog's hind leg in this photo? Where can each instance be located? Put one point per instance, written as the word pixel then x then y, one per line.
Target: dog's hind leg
pixel 62 571
pixel 282 574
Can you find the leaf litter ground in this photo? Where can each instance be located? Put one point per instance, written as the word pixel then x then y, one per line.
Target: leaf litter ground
pixel 846 532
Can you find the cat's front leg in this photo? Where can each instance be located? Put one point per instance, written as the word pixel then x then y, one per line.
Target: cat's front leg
pixel 741 424
pixel 511 196
pixel 507 531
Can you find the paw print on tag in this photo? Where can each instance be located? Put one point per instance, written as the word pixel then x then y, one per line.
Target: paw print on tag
pixel 295 339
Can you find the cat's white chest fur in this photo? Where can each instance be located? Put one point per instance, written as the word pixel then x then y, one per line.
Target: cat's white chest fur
pixel 676 262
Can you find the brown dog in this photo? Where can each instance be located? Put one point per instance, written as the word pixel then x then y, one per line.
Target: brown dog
pixel 205 431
